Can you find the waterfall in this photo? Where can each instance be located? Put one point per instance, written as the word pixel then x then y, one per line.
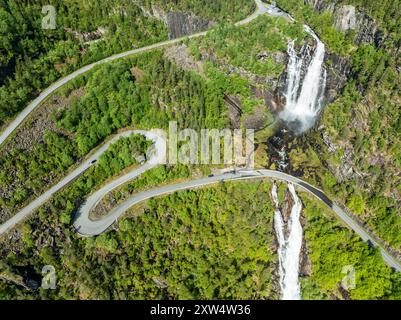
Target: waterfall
pixel 290 245
pixel 279 227
pixel 304 99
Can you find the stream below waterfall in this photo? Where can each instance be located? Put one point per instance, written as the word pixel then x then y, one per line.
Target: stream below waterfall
pixel 289 237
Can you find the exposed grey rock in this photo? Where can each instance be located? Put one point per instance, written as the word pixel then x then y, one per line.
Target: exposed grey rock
pixel 179 24
pixel 345 171
pixel 87 36
pixel 348 18
pixel 287 207
pixel 277 57
pixel 328 142
pixel 321 5
pixel 368 31
pixel 140 158
pixel 181 56
pixel 158 13
pixel 234 110
pixel 160 282
pixel 305 264
pixel 32 284
pixel 338 71
pixel 345 18
pixel 269 80
pixel 183 24
pixel 271 100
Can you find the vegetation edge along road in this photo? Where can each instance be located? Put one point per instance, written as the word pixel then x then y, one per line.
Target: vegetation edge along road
pixel 86 227
pixel 261 9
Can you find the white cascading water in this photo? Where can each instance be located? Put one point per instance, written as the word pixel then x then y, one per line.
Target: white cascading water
pixel 279 227
pixel 289 247
pixel 304 100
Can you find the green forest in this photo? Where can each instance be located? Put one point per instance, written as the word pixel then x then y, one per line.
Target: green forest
pixel 114 99
pixel 211 243
pixel 331 247
pixel 240 46
pixel 146 259
pixel 31 58
pixel 363 122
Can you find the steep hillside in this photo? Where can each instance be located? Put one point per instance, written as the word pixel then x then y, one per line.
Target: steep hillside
pixel 358 138
pixel 31 58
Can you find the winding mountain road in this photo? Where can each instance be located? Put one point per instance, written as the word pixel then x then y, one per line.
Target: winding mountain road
pixel 154 159
pixel 87 227
pixel 261 9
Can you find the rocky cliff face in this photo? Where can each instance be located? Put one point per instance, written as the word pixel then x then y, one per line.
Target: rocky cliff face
pixel 338 71
pixel 347 18
pixel 179 24
pixel 183 24
pixel 87 36
pixel 367 31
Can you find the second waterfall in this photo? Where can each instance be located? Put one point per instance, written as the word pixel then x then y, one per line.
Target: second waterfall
pixel 289 238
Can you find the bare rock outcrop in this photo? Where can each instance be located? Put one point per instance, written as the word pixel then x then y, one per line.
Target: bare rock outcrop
pixel 347 17
pixel 87 36
pixel 179 24
pixel 338 71
pixel 234 110
pixel 184 24
pixel 182 57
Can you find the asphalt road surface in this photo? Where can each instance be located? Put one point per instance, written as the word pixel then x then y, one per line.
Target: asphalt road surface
pixel 155 158
pixel 87 227
pixel 261 9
